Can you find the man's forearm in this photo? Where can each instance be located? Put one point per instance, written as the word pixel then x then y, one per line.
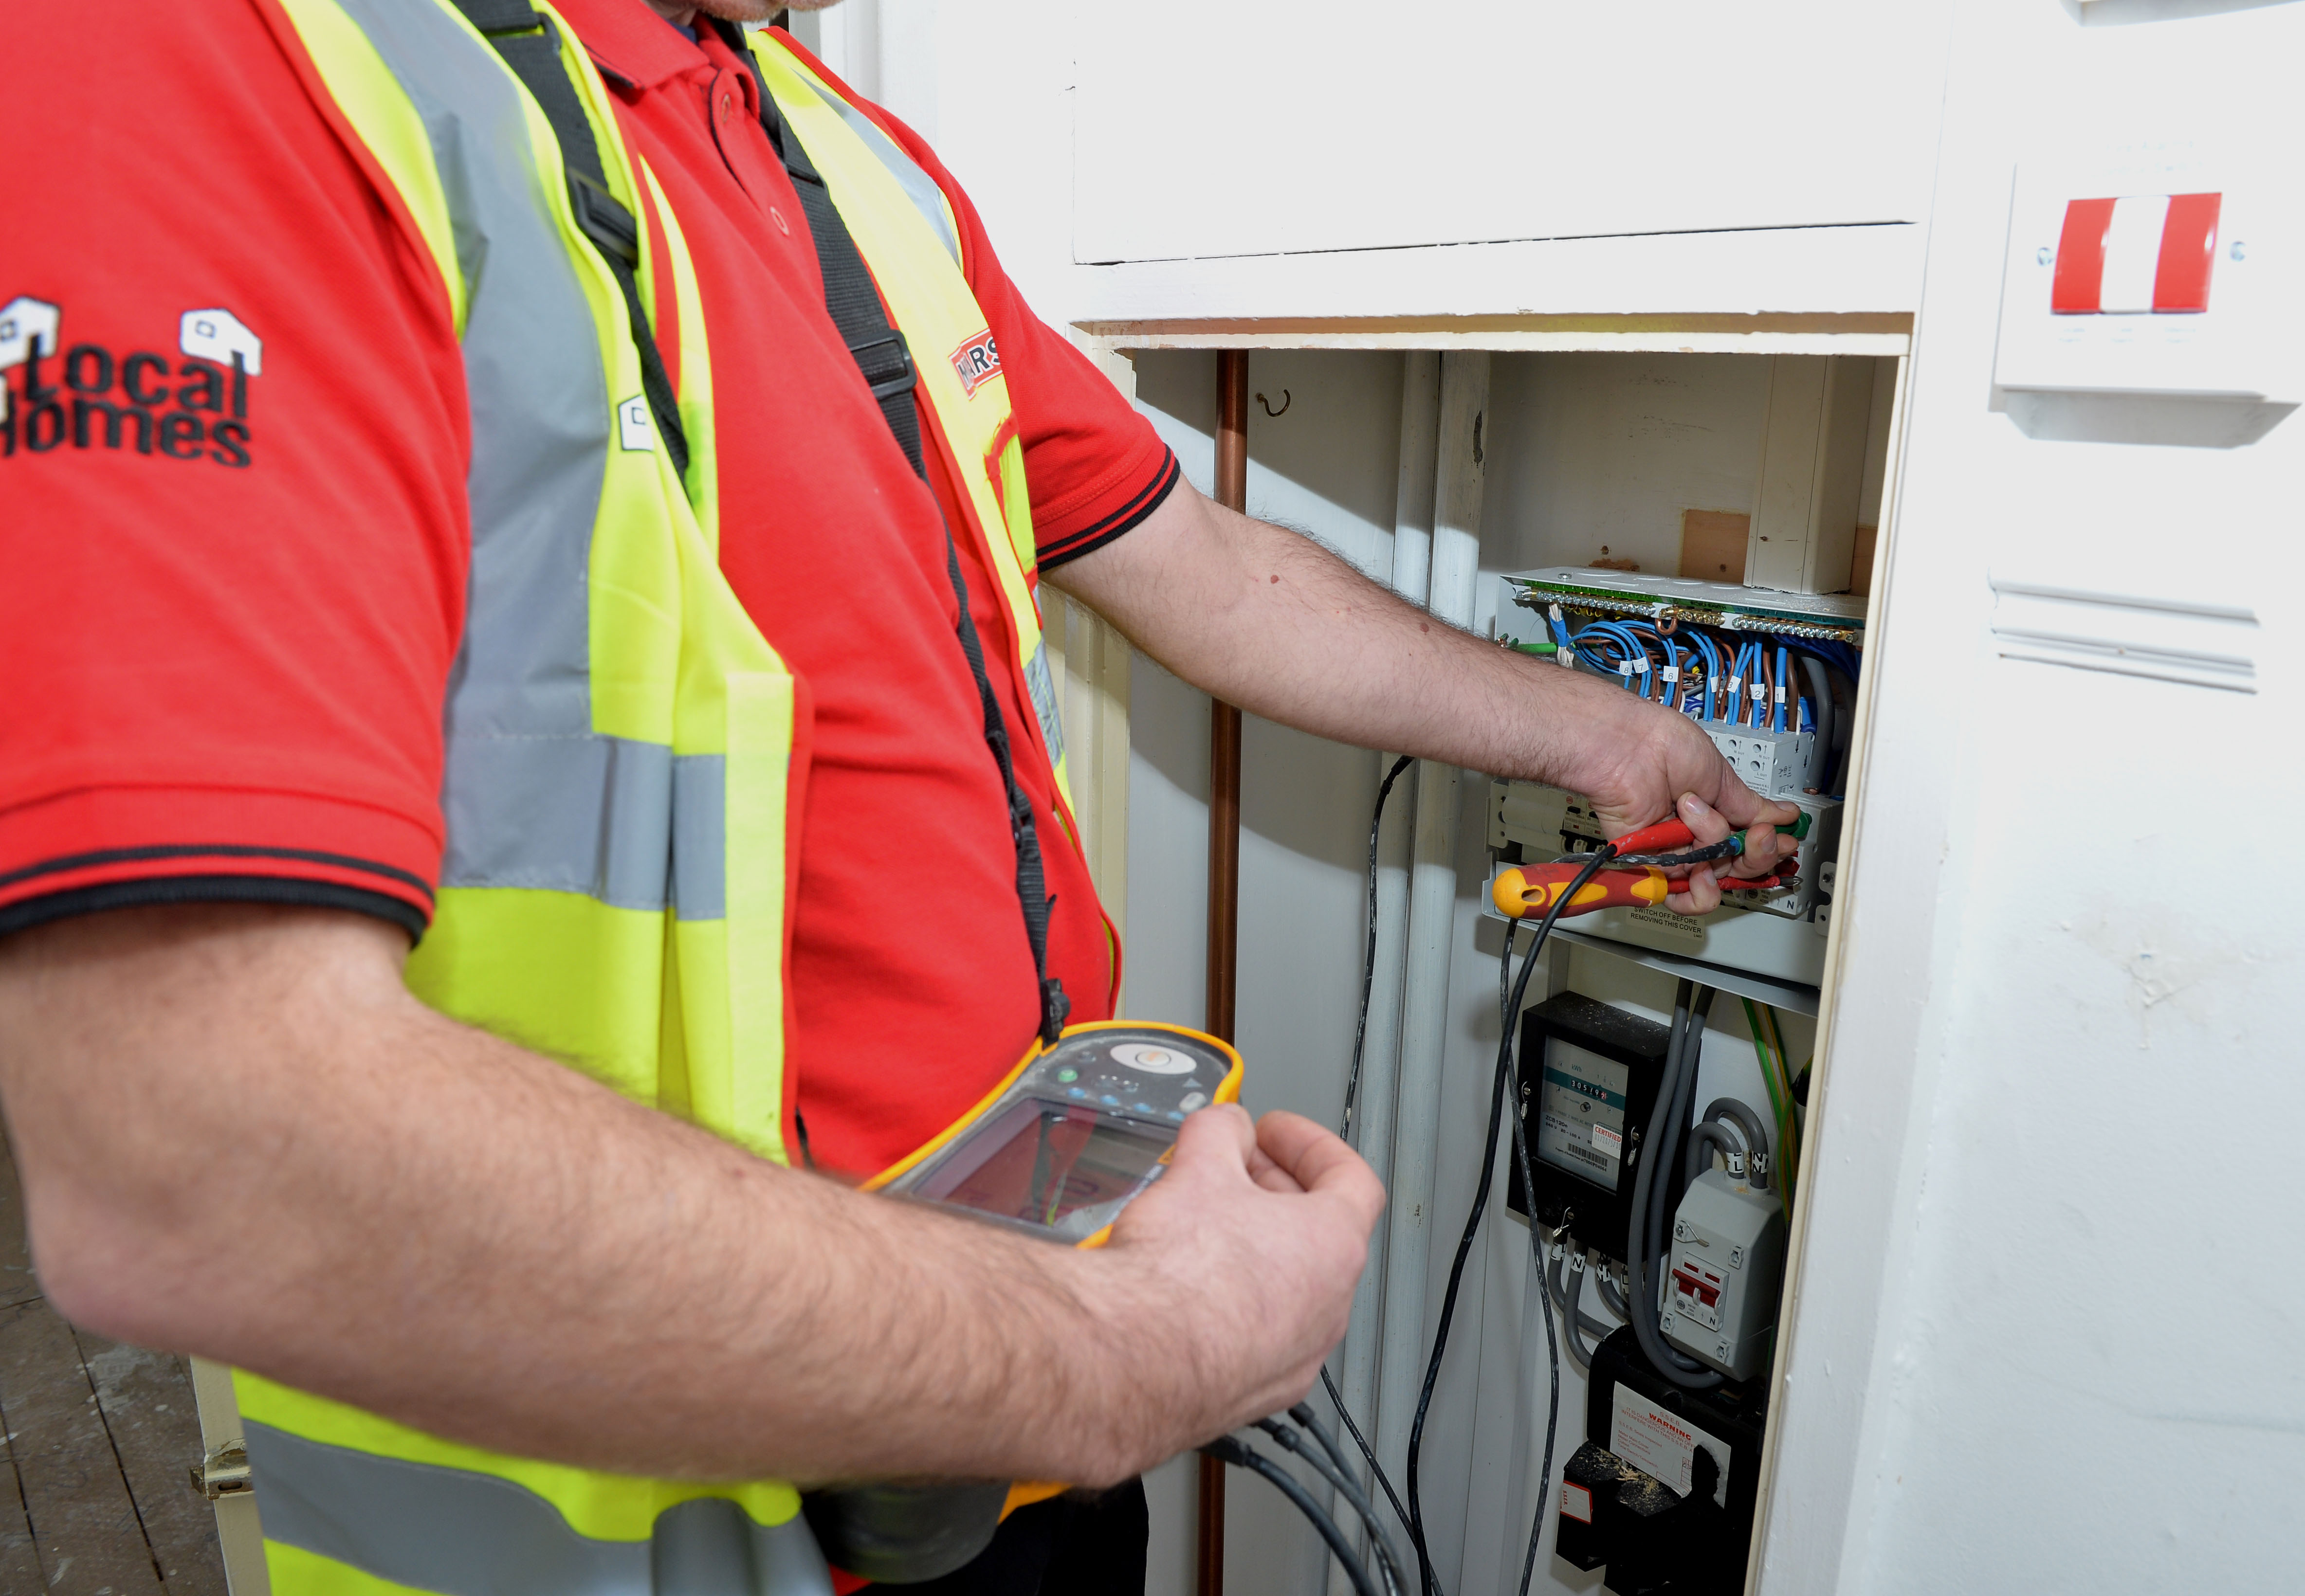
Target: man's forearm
pixel 422 1219
pixel 1269 620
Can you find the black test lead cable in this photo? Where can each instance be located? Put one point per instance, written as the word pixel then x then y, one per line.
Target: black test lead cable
pixel 1505 1046
pixel 1332 1471
pixel 1345 1126
pixel 1367 1452
pixel 1310 1422
pixel 1368 962
pixel 1535 1247
pixel 1238 1453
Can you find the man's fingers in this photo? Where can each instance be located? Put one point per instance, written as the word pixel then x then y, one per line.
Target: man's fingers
pixel 1699 895
pixel 1741 806
pixel 1707 824
pixel 1222 1131
pixel 1320 1163
pixel 1764 848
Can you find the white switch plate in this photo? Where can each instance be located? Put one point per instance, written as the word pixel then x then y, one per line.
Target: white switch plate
pixel 2243 346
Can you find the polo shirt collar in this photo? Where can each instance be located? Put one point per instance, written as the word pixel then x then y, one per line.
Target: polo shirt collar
pixel 631 43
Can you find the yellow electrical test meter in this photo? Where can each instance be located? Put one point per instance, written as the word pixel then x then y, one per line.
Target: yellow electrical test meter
pixel 1077 1132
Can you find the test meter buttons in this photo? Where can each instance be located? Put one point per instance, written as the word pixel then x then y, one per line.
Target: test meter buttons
pixel 1077 1132
pixel 1164 1081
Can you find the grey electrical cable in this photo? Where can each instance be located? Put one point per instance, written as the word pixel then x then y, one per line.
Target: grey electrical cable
pixel 1569 1317
pixel 1310 1423
pixel 1703 1138
pixel 1684 1056
pixel 1611 1297
pixel 1566 1285
pixel 1676 1121
pixel 1241 1455
pixel 1820 693
pixel 1656 1151
pixel 1844 722
pixel 1562 1278
pixel 1341 1480
pixel 1749 1121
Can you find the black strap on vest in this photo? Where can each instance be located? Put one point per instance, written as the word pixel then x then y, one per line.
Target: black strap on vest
pixel 886 363
pixel 530 46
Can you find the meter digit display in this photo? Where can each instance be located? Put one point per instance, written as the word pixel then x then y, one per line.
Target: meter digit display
pixel 1583 1130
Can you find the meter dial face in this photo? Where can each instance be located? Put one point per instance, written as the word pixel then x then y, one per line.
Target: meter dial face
pixel 1154 1060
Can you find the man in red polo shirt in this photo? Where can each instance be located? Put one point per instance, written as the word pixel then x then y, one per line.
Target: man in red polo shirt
pixel 232 567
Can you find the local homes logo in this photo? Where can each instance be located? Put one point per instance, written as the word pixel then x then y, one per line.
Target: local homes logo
pixel 88 397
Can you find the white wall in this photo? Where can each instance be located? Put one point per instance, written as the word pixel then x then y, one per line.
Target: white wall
pixel 1001 94
pixel 2052 1339
pixel 1594 450
pixel 1487 120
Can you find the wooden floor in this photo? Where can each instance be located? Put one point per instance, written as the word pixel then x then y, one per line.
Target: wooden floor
pixel 96 1441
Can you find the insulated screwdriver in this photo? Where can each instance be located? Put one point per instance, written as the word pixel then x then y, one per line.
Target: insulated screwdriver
pixel 1533 889
pixel 1650 843
pixel 1524 889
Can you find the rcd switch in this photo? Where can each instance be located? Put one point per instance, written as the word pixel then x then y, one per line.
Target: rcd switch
pixel 2152 273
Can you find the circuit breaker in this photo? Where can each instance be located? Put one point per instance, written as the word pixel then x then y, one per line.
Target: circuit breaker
pixel 1726 1273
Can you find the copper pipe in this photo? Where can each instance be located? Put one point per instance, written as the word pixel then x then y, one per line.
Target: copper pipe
pixel 1224 878
pixel 1224 720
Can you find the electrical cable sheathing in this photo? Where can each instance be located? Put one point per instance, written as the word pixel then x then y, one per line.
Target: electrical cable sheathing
pixel 1225 1449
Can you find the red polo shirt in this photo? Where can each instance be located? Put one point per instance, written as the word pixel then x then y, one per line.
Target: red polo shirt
pixel 234 537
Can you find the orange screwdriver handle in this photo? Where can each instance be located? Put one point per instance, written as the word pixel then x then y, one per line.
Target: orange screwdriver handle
pixel 1524 889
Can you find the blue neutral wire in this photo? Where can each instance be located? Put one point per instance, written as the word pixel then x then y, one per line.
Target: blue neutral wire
pixel 1711 671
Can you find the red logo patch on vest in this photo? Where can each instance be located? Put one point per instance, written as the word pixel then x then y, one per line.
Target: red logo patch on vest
pixel 977 361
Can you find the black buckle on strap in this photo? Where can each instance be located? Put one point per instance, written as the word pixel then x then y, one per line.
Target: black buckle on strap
pixel 604 219
pixel 494 17
pixel 886 379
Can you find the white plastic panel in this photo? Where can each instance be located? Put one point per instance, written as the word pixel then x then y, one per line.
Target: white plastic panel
pixel 2235 334
pixel 1273 126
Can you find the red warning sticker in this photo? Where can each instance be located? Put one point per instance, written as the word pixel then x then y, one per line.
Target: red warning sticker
pixel 1576 1502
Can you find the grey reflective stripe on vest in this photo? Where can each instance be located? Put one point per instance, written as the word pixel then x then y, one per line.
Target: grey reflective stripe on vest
pixel 457 1533
pixel 534 796
pixel 918 187
pixel 1042 687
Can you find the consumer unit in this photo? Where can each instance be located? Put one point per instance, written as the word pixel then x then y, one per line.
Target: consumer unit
pixel 1771 676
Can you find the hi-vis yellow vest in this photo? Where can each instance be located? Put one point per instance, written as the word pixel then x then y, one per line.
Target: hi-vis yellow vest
pixel 618 733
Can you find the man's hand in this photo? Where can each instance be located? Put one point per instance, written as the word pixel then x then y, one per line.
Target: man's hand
pixel 1653 761
pixel 1256 1237
pixel 1269 620
pixel 432 1223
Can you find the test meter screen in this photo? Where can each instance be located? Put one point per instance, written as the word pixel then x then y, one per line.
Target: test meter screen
pixel 1043 1161
pixel 1583 1130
